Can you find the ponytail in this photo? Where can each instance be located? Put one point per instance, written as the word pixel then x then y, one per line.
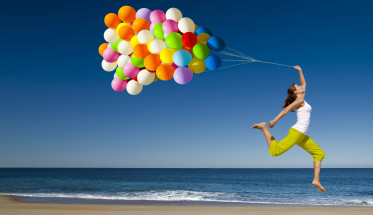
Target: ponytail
pixel 291 97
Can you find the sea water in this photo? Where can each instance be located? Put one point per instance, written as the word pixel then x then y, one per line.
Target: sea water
pixel 231 187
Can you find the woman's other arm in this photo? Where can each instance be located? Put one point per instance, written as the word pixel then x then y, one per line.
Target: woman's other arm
pixel 293 105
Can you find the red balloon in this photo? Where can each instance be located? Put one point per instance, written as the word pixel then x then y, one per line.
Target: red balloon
pixel 189 39
pixel 135 78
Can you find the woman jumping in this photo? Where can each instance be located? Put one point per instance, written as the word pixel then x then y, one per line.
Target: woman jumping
pixel 298 133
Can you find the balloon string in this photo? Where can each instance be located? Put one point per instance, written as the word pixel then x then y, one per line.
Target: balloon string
pixel 233 55
pixel 271 63
pixel 235 60
pixel 237 52
pixel 231 66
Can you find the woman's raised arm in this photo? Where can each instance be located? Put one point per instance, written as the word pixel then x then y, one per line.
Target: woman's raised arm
pixel 301 77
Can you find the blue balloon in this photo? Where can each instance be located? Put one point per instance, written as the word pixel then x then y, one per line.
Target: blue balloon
pixel 182 58
pixel 213 62
pixel 215 44
pixel 202 29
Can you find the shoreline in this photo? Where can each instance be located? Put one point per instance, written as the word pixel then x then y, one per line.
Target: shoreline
pixel 13 205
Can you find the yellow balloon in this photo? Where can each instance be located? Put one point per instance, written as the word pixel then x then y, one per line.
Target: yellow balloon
pixel 202 38
pixel 197 65
pixel 134 41
pixel 122 24
pixel 167 55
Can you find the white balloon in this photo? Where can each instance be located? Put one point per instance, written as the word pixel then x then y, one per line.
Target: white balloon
pixel 125 48
pixel 174 14
pixel 134 87
pixel 145 36
pixel 156 46
pixel 111 36
pixel 186 25
pixel 108 67
pixel 145 77
pixel 122 61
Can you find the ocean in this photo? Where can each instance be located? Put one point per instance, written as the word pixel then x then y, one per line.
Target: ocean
pixel 184 186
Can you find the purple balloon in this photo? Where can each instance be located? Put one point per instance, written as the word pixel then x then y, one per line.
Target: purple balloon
pixel 183 75
pixel 110 55
pixel 152 27
pixel 130 71
pixel 170 26
pixel 143 13
pixel 118 84
pixel 157 16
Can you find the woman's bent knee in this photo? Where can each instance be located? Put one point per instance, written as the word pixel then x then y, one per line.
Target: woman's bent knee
pixel 319 157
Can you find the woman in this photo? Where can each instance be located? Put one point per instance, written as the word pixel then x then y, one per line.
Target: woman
pixel 298 133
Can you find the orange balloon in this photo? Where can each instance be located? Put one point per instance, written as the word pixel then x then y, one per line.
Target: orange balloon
pixel 102 48
pixel 127 14
pixel 165 72
pixel 140 24
pixel 152 61
pixel 112 20
pixel 190 50
pixel 141 51
pixel 126 32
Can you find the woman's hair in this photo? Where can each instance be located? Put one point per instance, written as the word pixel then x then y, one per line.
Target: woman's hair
pixel 291 96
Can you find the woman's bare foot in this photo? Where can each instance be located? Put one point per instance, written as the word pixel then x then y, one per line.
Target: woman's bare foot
pixel 259 126
pixel 318 186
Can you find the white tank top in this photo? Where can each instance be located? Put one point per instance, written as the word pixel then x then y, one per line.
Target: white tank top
pixel 303 118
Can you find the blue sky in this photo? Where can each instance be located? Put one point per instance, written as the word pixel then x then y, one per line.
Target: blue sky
pixel 57 107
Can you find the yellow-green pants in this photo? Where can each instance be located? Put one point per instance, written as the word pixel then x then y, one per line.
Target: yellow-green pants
pixel 296 137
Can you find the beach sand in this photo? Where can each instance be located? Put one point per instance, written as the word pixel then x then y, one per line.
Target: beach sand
pixel 10 206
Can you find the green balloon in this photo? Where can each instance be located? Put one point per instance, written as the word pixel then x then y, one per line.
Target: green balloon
pixel 114 46
pixel 120 74
pixel 138 62
pixel 173 40
pixel 201 51
pixel 158 31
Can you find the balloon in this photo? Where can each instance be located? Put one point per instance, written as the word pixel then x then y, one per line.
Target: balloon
pixel 152 28
pixel 202 38
pixel 121 25
pixel 110 55
pixel 134 87
pixel 130 70
pixel 173 40
pixel 167 55
pixel 157 16
pixel 145 77
pixel 140 24
pixel 152 61
pixel 197 65
pixel 102 48
pixel 145 36
pixel 118 84
pixel 174 14
pixel 202 29
pixel 143 13
pixel 158 31
pixel 114 46
pixel 108 67
pixel 125 48
pixel 189 39
pixel 140 51
pixel 137 62
pixel 119 73
pixel 182 58
pixel 156 46
pixel 111 36
pixel 112 20
pixel 190 50
pixel 215 44
pixel 174 65
pixel 186 25
pixel 165 72
pixel 122 61
pixel 183 75
pixel 127 14
pixel 170 26
pixel 126 32
pixel 155 79
pixel 134 41
pixel 213 62
pixel 201 51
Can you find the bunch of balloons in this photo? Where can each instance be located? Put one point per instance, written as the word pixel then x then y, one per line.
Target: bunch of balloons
pixel 144 46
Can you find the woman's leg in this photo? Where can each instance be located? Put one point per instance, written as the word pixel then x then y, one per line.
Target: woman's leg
pixel 316 180
pixel 263 127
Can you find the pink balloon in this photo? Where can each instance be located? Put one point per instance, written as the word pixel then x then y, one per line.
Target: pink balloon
pixel 130 71
pixel 157 16
pixel 170 26
pixel 174 65
pixel 118 84
pixel 110 55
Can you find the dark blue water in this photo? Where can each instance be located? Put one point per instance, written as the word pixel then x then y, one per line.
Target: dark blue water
pixel 353 187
